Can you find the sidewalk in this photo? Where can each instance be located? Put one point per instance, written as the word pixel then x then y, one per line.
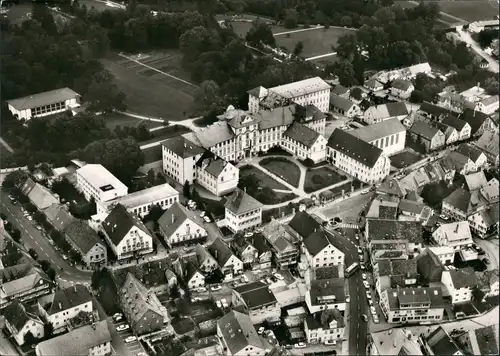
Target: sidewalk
pixel 345 342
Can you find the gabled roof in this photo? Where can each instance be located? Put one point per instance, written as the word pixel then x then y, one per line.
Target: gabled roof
pixel 71 297
pixel 301 87
pixel 260 243
pixel 238 332
pixel 454 122
pixel 456 230
pixel 476 180
pixel 469 151
pixel 340 102
pixel 355 148
pixel 20 278
pixel 463 278
pixel 258 92
pixel 434 110
pixel 424 130
pixel 488 143
pixel 212 164
pixel 411 206
pixel 240 202
pixel 302 134
pixel 373 83
pixel 401 84
pixel 175 216
pixel 220 251
pixel 82 235
pixel 385 111
pixel 281 116
pixel 182 147
pixel 40 196
pixel 304 224
pixel 319 240
pixel 474 118
pixel 59 216
pixel 211 135
pixel 339 89
pixel 324 290
pixel 16 315
pixel 255 294
pixel 119 222
pixel 41 99
pixel 459 199
pixel 428 263
pixel 379 130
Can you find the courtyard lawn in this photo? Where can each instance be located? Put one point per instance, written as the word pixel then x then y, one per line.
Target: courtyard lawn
pixel 283 168
pixel 268 182
pixel 322 177
pixel 404 159
pixel 264 179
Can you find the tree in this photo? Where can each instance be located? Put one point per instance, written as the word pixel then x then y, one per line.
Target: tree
pixel 207 96
pixel 14 179
pixel 16 235
pixel 48 330
pixel 250 182
pixel 291 18
pixel 44 264
pixel 29 338
pixel 104 97
pixel 299 47
pixel 345 72
pixel 260 34
pixel 186 190
pixel 154 214
pixel 33 254
pixel 357 93
pixel 346 21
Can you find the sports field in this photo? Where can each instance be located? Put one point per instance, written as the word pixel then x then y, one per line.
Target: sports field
pixel 150 89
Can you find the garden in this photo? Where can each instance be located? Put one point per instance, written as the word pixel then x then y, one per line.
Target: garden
pixel 283 168
pixel 404 159
pixel 322 177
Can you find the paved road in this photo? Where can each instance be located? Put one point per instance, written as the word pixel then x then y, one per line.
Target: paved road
pixel 348 209
pixel 33 238
pixel 467 38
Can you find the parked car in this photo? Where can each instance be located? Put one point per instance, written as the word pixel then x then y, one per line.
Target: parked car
pixel 363 275
pixel 269 280
pixel 207 219
pixel 224 303
pixel 363 267
pixel 347 299
pixel 12 199
pixel 261 330
pixel 219 304
pixel 444 217
pixel 373 310
pixel 278 276
pixel 300 345
pixel 216 288
pixel 360 251
pixel 368 295
pixel 130 339
pixel 51 242
pixel 376 320
pixel 202 214
pixel 29 218
pixel 366 284
pixel 370 302
pixel 244 279
pixel 117 315
pixel 201 289
pixel 195 299
pixel 122 327
pixel 365 317
pixel 64 257
pixel 330 342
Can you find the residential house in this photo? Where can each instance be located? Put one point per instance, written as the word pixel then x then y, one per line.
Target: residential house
pixel 413 210
pixel 457 205
pixel 488 143
pixel 459 284
pixel 383 207
pixel 456 235
pixel 479 122
pixel 446 254
pixel 383 112
pixel 141 307
pixel 126 234
pixel 242 212
pixel 391 187
pixel 439 342
pixel 19 321
pixel 141 202
pixel 188 272
pixel 87 243
pixel 43 104
pixel 179 225
pixel 40 196
pixel 481 341
pixel 429 267
pixel 283 244
pixel 395 230
pixel 489 282
pixel 23 283
pixel 303 225
pixel 258 301
pixel 326 294
pixel 455 160
pixel 179 158
pixel 490 191
pixel 327 325
pixel 388 135
pixel 313 91
pixel 344 106
pixel 394 342
pixel 204 260
pixel 452 101
pixel 406 73
pixel 93 340
pixel 484 222
pixel 65 304
pixel 97 183
pixel 238 335
pixel 462 127
pixel 373 85
pixel 322 249
pixel 357 158
pixel 59 216
pixel 216 175
pixel 304 143
pixel 254 251
pixel 451 134
pixel 477 157
pixel 395 274
pixel 389 250
pixel 229 264
pixel 340 90
pixel 475 180
pixel 412 305
pixel 488 105
pixel 435 112
pixel 431 137
pixel 402 88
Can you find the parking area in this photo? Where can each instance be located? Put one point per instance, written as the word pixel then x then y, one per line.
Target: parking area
pixel 124 332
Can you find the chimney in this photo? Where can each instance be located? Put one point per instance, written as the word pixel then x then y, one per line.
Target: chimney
pixel 456 229
pixel 60 305
pixel 173 218
pixel 74 288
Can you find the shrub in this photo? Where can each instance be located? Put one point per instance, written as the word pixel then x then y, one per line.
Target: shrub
pixel 318 179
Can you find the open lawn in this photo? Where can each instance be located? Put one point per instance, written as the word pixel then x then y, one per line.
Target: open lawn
pixel 404 159
pixel 152 154
pixel 283 168
pixel 166 132
pixel 116 119
pixel 470 11
pixel 149 92
pixel 321 177
pixel 241 28
pixel 264 179
pixel 316 41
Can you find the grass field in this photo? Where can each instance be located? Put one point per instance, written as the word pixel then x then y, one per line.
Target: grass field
pixel 116 119
pixel 470 11
pixel 320 178
pixel 283 168
pixel 149 92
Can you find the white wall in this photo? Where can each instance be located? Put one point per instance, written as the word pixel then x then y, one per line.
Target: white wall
pixel 243 222
pixel 391 144
pixel 189 230
pixel 61 319
pixel 121 251
pixel 100 350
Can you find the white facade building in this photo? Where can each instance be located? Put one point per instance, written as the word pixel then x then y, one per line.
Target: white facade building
pixel 304 143
pixel 242 212
pixel 446 254
pixel 456 235
pixel 216 175
pixel 331 330
pixel 179 225
pixel 18 321
pixel 321 249
pixel 383 112
pixel 179 158
pixel 95 181
pixel 43 104
pixel 459 284
pixel 388 135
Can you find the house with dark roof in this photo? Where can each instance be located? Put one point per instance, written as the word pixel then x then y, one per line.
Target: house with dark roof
pixel 284 244
pixel 388 135
pixel 395 230
pixel 462 127
pixel 86 242
pixel 479 122
pixel 414 210
pixel 126 234
pixel 407 305
pixel 434 112
pixel 253 250
pixel 238 335
pixel 141 306
pixel 431 136
pixel 477 157
pixel 488 143
pixel 19 321
pixel 242 212
pixel 326 294
pixel 188 272
pixel 304 143
pixel 383 112
pixel 65 304
pixel 439 342
pixel 179 226
pixel 480 341
pixel 344 106
pixel 258 301
pixel 373 85
pixel 216 175
pixel 39 195
pixel 229 264
pixel 327 325
pixel 303 225
pixel 429 267
pixel 357 158
pixel 340 90
pixel 457 205
pixel 401 88
pixel 459 284
pixel 395 274
pixel 484 222
pixel 455 160
pixel 323 249
pixel 179 157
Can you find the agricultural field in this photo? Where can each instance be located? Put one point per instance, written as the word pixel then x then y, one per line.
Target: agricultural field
pixel 470 10
pixel 150 92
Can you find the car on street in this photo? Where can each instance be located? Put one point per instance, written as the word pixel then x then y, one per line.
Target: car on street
pixel 12 199
pixel 207 219
pixel 244 279
pixel 64 257
pixel 370 302
pixel 347 299
pixel 376 320
pixel 363 275
pixel 201 290
pixel 363 267
pixel 216 288
pixel 261 330
pixel 444 217
pixel 360 251
pixel 202 214
pixel 366 284
pixel 269 280
pixel 368 295
pixel 117 315
pixel 130 339
pixel 224 303
pixel 278 276
pixel 122 327
pixel 219 304
pixel 29 218
pixel 330 342
pixel 195 299
pixel 373 310
pixel 38 227
pixel 365 317
pixel 300 345
pixel 357 237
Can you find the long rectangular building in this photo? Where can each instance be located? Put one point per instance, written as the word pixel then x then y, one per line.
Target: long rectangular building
pixel 388 135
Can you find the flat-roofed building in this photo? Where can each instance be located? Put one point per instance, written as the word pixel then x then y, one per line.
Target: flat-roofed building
pixel 96 182
pixel 258 301
pixel 43 104
pixel 388 135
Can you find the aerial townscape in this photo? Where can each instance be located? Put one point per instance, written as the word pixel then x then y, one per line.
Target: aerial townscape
pixel 249 178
